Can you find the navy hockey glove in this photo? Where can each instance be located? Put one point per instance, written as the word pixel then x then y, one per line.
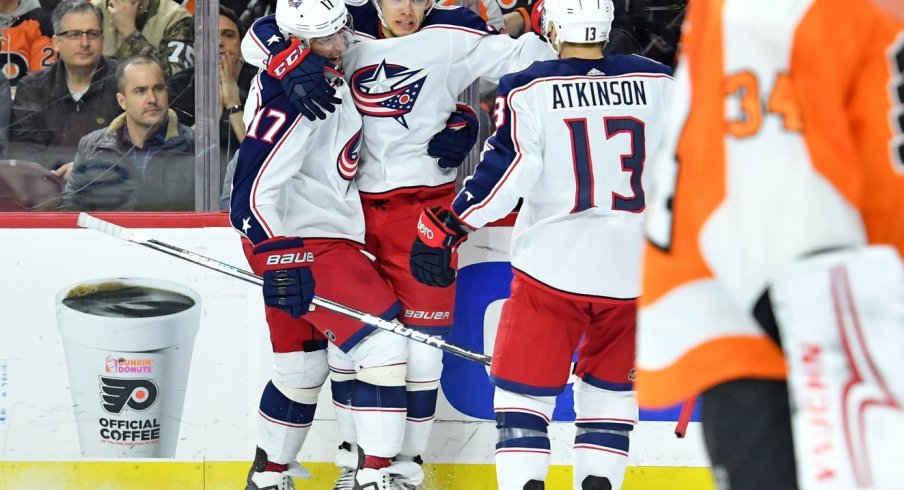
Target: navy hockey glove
pixel 439 231
pixel 452 145
pixel 302 74
pixel 288 281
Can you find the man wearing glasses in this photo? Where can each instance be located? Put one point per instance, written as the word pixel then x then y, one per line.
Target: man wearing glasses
pixel 58 105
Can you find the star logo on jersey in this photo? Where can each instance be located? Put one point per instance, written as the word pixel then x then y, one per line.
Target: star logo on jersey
pixel 386 90
pixel 246 225
pixel 274 39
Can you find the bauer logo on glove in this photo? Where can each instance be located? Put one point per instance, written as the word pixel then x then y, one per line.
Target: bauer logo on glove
pixel 296 258
pixel 288 282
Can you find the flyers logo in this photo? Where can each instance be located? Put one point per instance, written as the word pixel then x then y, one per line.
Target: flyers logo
pixel 347 163
pixel 386 90
pixel 117 394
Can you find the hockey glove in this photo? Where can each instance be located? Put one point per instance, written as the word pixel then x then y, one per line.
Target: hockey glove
pixel 452 145
pixel 439 231
pixel 302 74
pixel 288 281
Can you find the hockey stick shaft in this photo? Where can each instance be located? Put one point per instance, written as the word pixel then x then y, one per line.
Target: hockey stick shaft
pixel 87 221
pixel 687 409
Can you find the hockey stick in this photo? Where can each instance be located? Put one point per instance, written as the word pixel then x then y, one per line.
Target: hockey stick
pixel 87 221
pixel 687 409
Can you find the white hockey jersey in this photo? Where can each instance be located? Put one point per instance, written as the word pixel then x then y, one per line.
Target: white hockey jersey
pixel 296 177
pixel 407 87
pixel 572 140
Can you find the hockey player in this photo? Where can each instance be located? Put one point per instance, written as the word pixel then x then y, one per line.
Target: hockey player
pixel 776 227
pixel 296 205
pixel 572 140
pixel 410 63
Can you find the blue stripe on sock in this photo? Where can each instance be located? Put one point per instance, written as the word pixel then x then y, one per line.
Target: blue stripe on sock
pixel 604 426
pixel 520 420
pixel 422 404
pixel 342 391
pixel 279 407
pixel 603 439
pixel 525 442
pixel 366 395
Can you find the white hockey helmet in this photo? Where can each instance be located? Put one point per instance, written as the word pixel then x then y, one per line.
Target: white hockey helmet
pixel 310 19
pixel 578 21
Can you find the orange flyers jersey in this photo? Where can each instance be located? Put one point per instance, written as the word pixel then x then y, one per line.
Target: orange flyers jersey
pixel 23 49
pixel 785 139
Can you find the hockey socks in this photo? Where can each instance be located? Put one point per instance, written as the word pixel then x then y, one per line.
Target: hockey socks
pixel 283 426
pixel 381 409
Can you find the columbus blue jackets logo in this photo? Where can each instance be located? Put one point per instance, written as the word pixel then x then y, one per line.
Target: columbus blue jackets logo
pixel 386 90
pixel 137 394
pixel 347 163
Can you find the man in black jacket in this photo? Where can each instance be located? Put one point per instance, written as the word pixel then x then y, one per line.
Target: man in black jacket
pixel 144 160
pixel 56 106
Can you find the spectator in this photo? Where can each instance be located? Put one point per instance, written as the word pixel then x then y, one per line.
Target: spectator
pixel 26 44
pixel 159 28
pixel 58 105
pixel 144 160
pixel 235 79
pixel 5 103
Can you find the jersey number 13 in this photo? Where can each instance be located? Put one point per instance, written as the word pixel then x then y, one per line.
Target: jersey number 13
pixel 631 162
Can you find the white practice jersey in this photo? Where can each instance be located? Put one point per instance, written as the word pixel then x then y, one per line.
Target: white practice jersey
pixel 295 177
pixel 572 140
pixel 406 87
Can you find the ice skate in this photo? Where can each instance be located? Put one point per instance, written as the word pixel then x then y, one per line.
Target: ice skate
pixel 267 480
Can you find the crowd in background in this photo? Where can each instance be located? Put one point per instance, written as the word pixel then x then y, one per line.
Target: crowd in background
pixel 63 92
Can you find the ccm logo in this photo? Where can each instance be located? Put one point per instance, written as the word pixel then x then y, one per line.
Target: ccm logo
pixel 287 64
pixel 296 258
